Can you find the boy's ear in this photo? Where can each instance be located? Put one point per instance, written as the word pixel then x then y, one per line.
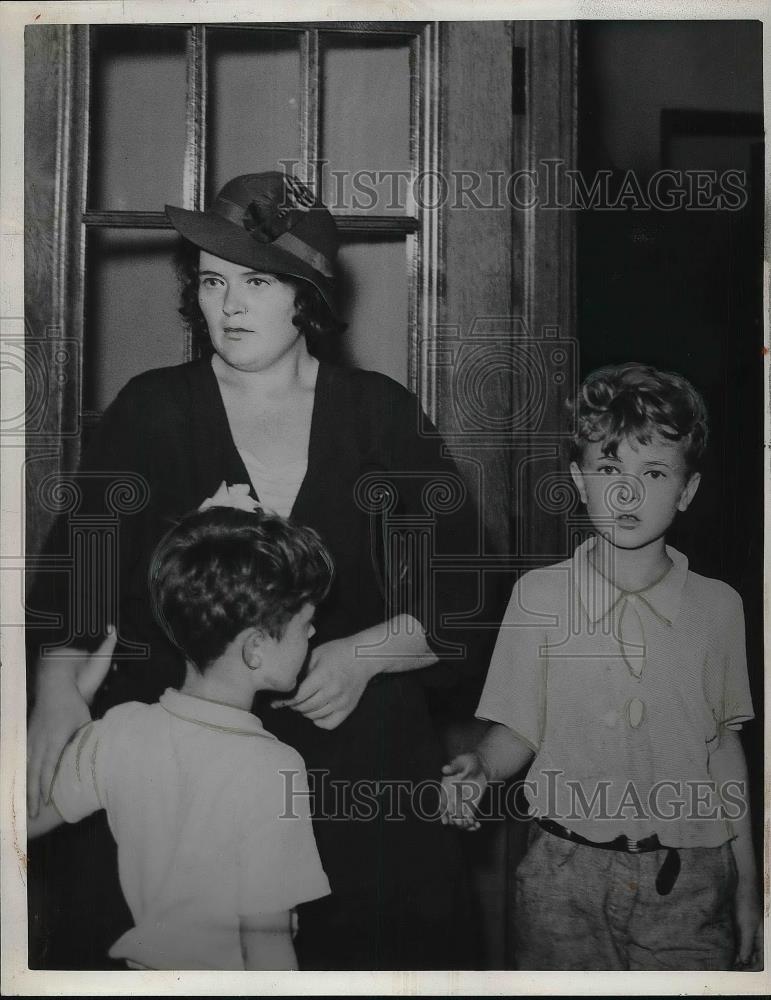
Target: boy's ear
pixel 689 491
pixel 578 479
pixel 251 648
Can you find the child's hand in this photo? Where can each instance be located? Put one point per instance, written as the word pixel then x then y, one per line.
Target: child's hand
pixel 749 929
pixel 67 681
pixel 93 669
pixel 463 786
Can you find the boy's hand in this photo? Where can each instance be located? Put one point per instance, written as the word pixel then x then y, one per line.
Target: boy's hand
pixel 463 786
pixel 749 929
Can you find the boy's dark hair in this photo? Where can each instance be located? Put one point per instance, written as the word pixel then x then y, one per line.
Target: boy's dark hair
pixel 222 570
pixel 313 317
pixel 638 401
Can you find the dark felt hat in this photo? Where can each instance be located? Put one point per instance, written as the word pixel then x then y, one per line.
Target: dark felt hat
pixel 269 222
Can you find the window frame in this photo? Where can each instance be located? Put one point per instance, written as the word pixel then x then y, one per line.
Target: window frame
pixel 418 227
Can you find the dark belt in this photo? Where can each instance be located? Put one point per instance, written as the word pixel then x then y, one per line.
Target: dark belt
pixel 667 874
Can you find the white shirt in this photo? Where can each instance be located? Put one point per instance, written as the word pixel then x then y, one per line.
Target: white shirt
pixel 199 798
pixel 620 694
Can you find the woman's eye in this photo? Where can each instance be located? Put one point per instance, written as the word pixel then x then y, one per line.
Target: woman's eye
pixel 254 280
pixel 608 470
pixel 655 474
pixel 210 282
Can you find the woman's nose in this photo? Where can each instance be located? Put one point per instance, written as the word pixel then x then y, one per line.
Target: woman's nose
pixel 232 303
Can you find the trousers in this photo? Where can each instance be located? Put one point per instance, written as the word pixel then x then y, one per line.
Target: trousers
pixel 584 908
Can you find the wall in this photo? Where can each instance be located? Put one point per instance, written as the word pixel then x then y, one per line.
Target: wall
pixel 633 69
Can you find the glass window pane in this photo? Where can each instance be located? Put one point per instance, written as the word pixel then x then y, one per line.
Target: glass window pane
pixel 365 123
pixel 254 102
pixel 373 280
pixel 138 88
pixel 132 297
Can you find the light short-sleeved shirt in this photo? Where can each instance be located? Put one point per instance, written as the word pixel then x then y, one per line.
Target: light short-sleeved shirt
pixel 622 697
pixel 211 816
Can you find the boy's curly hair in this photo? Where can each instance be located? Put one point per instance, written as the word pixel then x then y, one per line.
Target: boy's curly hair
pixel 638 401
pixel 222 570
pixel 313 317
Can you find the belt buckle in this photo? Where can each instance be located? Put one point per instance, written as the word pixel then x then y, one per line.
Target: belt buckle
pixel 633 846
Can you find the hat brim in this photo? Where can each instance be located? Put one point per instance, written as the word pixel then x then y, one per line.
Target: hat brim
pixel 211 232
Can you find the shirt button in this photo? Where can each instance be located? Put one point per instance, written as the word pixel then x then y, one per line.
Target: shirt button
pixel 635 712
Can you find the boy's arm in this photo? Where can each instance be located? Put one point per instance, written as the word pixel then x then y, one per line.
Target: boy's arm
pixel 728 767
pixel 499 755
pixel 88 676
pixel 48 818
pixel 503 753
pixel 266 941
pixel 278 864
pixel 513 697
pixel 72 681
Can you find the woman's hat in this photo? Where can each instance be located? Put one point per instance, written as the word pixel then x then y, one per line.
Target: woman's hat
pixel 269 222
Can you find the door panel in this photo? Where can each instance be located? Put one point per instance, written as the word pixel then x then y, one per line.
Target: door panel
pixel 138 91
pixel 374 289
pixel 373 97
pixel 132 322
pixel 365 120
pixel 254 80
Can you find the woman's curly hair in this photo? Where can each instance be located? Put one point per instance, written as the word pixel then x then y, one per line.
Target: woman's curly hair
pixel 313 317
pixel 638 401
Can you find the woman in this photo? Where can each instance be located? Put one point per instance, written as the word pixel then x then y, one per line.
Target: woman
pixel 350 454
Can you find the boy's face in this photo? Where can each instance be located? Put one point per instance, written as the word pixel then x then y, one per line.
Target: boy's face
pixel 632 499
pixel 282 659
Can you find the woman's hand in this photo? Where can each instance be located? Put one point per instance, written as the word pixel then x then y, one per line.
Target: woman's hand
pixel 335 682
pixel 67 681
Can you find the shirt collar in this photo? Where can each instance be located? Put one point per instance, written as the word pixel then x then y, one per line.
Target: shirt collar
pixel 212 714
pixel 599 595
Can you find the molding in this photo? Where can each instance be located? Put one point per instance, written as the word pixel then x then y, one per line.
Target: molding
pixel 544 242
pixel 426 155
pixel 72 181
pixel 194 171
pixel 364 225
pixel 310 108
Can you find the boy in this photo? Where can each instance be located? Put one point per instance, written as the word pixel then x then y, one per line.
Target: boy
pixel 621 675
pixel 212 853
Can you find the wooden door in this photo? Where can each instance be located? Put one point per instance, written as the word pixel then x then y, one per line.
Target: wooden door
pixel 469 303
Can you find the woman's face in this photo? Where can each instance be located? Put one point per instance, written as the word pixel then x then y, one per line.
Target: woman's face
pixel 249 313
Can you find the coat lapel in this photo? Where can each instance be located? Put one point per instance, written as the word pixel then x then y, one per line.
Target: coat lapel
pixel 214 454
